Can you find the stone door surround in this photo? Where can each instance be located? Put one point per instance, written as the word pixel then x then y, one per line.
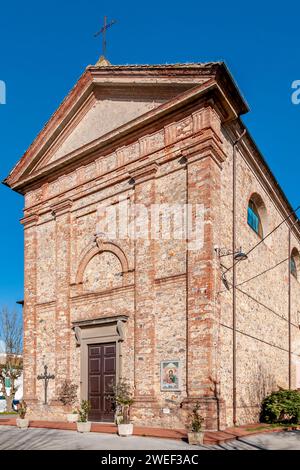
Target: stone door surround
pixel 97 331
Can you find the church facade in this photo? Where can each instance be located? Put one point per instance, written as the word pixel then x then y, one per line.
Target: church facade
pixel 148 209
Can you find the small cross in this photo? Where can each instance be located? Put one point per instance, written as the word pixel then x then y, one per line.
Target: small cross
pixel 102 31
pixel 46 377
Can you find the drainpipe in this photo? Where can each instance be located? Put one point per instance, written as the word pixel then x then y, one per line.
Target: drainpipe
pixel 184 161
pixel 289 310
pixel 234 402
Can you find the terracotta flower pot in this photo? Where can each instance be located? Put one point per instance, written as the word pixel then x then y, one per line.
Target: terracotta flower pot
pixel 83 427
pixel 125 430
pixel 196 438
pixel 22 423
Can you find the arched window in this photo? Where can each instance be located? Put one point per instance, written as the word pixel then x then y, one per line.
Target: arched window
pixel 294 262
pixel 253 218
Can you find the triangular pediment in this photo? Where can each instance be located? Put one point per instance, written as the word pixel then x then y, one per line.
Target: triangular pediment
pixel 106 109
pixel 105 104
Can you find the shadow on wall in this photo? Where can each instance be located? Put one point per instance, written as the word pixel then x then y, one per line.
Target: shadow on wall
pixel 262 384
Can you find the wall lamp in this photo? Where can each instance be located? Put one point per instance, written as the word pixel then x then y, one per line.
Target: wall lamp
pixel 238 255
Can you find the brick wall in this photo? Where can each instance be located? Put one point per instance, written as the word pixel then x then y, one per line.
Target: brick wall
pixel 176 305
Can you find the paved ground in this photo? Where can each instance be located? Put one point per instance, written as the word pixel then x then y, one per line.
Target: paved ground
pixel 12 438
pixel 286 440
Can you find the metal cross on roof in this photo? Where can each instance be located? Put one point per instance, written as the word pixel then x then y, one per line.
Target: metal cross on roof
pixel 102 31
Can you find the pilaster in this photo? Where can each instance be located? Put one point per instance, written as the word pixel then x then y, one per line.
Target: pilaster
pixel 62 215
pixel 144 194
pixel 29 312
pixel 203 192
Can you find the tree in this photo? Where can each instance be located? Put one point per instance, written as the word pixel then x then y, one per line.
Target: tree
pixel 122 398
pixel 11 364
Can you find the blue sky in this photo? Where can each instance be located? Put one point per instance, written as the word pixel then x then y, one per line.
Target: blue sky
pixel 45 46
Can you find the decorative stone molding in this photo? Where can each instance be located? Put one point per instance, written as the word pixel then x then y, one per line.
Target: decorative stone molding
pixel 102 246
pixel 80 298
pixel 120 330
pixel 99 321
pixel 209 146
pixel 151 143
pixel 128 153
pixel 206 118
pixel 144 173
pixel 77 332
pixel 61 207
pixel 95 331
pixel 179 130
pixel 29 220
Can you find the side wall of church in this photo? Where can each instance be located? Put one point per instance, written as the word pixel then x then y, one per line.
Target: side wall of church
pixel 262 302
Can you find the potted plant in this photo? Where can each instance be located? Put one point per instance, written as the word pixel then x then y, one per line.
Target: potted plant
pixel 83 425
pixel 123 399
pixel 22 422
pixel 72 417
pixel 68 397
pixel 195 434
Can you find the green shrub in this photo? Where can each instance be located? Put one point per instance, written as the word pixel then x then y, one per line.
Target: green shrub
pixel 281 407
pixel 196 419
pixel 83 411
pixel 122 400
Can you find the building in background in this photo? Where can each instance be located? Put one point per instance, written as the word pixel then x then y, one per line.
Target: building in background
pixel 18 384
pixel 184 319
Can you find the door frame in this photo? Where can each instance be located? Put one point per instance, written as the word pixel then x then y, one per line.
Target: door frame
pixel 84 379
pixel 98 331
pixel 88 366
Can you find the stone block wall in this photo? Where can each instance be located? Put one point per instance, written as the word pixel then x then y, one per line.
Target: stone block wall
pixel 262 294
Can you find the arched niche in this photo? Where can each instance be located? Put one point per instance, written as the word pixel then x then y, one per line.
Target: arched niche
pixel 102 267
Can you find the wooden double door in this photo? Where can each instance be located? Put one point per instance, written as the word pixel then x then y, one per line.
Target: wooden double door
pixel 101 379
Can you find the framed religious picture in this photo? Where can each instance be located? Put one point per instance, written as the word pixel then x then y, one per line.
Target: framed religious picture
pixel 169 376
